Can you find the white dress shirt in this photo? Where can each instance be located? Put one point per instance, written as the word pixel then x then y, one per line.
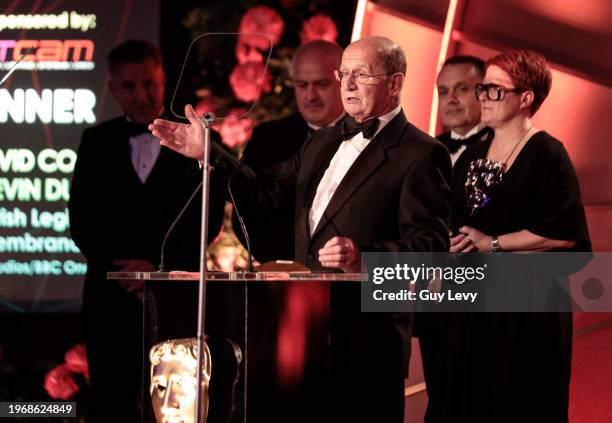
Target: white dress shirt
pixel 456 136
pixel 144 151
pixel 342 161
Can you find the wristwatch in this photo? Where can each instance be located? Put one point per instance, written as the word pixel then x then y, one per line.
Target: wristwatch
pixel 495 247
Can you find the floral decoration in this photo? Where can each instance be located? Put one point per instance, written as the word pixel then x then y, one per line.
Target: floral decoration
pixel 249 80
pixel 319 27
pixel 76 360
pixel 261 20
pixel 60 382
pixel 237 128
pixel 228 85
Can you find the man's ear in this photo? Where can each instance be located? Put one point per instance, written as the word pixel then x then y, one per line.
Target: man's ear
pixel 396 83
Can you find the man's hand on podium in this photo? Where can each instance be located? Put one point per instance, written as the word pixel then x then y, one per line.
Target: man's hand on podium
pixel 341 253
pixel 133 286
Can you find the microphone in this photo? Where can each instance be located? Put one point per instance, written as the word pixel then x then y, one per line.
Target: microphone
pixel 247 240
pixel 162 263
pixel 238 166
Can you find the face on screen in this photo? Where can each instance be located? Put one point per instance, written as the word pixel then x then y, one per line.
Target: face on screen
pixel 139 89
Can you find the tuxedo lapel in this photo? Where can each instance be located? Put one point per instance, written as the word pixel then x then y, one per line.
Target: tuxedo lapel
pixel 445 138
pixel 158 166
pixel 484 134
pixel 322 160
pixel 370 159
pixel 122 141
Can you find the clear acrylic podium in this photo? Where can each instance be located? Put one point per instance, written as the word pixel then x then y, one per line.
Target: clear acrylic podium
pixel 268 335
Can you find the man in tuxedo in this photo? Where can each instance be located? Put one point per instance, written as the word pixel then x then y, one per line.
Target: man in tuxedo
pixel 459 111
pixel 458 107
pixel 125 193
pixel 317 96
pixel 375 183
pixel 271 231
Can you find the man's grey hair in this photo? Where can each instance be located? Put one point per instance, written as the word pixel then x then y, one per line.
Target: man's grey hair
pixel 393 60
pixel 389 55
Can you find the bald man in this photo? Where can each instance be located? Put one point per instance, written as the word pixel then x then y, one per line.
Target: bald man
pixel 317 95
pixel 375 183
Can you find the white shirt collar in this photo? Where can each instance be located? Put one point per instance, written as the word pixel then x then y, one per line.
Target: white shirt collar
pixel 332 123
pixel 456 136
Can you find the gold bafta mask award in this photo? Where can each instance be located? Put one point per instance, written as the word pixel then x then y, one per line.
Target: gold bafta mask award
pixel 174 380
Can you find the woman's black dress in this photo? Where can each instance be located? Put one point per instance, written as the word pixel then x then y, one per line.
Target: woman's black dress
pixel 512 367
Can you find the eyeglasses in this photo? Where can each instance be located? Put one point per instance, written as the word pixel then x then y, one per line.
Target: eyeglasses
pixel 358 77
pixel 494 92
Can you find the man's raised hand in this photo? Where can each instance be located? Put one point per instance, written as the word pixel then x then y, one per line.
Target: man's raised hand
pixel 186 139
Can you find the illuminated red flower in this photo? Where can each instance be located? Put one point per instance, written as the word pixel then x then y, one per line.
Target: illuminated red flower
pixel 247 79
pixel 207 104
pixel 261 20
pixel 236 131
pixel 319 27
pixel 246 53
pixel 59 383
pixel 76 360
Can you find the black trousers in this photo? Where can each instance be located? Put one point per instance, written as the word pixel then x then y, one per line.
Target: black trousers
pixel 114 339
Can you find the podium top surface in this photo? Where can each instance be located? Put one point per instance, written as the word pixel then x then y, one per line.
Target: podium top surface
pixel 241 276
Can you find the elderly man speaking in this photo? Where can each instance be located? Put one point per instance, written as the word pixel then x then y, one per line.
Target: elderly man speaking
pixel 375 183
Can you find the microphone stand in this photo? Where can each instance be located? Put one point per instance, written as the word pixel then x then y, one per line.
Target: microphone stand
pixel 206 122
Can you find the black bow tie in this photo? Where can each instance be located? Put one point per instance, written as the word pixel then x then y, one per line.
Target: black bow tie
pixel 350 128
pixel 482 135
pixel 132 128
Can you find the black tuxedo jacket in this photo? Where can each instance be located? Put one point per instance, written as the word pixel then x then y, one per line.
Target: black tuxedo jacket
pixel 484 134
pixel 275 141
pixel 271 232
pixel 395 197
pixel 445 138
pixel 115 216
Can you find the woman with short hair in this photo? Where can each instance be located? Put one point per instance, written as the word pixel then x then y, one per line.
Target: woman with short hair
pixel 517 192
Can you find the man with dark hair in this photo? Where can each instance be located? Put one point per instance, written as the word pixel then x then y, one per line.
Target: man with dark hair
pixel 459 110
pixel 125 193
pixel 317 95
pixel 457 104
pixel 133 51
pixel 477 63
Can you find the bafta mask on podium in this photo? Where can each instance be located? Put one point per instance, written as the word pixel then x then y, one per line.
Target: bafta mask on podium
pixel 173 380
